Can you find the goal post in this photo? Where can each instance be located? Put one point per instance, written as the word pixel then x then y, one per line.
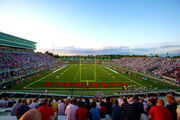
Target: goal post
pixel 88 66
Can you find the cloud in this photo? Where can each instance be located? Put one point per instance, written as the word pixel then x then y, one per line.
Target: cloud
pixel 170 46
pixel 94 51
pixel 172 49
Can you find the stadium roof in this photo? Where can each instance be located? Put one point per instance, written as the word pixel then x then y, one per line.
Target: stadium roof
pixel 13 41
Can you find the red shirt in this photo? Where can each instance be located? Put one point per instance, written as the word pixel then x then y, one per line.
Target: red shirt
pixel 160 113
pixel 46 112
pixel 82 113
pixel 102 111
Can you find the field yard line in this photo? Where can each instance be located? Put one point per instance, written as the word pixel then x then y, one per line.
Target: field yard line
pixel 92 72
pixel 45 76
pixel 123 76
pixel 111 70
pixel 77 73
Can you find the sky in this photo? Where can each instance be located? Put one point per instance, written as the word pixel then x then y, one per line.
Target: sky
pixel 81 27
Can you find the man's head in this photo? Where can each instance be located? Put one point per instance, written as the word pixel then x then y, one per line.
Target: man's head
pixel 32 114
pixel 116 102
pixel 20 100
pixel 135 98
pixel 125 100
pixel 24 101
pixel 56 99
pixel 160 102
pixel 93 104
pixel 152 101
pixel 74 101
pixel 45 101
pixel 170 99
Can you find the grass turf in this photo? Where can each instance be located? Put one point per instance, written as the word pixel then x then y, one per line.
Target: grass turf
pixel 91 77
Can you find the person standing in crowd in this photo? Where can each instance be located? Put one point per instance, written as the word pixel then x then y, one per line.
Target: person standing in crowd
pixel 71 110
pixel 127 110
pixel 159 112
pixel 45 110
pixel 120 100
pixel 144 103
pixel 102 109
pixel 108 106
pixel 15 108
pixel 82 112
pixel 151 102
pixel 87 104
pixel 172 106
pixel 32 114
pixel 34 104
pixel 138 108
pixel 55 107
pixel 94 112
pixel 116 111
pixel 178 112
pixel 22 108
pixel 29 102
pixel 61 107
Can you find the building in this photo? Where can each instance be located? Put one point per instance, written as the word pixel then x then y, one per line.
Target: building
pixel 11 41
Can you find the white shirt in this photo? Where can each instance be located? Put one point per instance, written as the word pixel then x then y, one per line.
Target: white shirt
pixel 71 112
pixel 33 105
pixel 61 108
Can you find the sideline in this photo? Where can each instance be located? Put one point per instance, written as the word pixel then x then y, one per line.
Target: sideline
pixel 123 76
pixel 44 77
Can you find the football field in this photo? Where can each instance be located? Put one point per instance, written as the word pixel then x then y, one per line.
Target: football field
pixel 94 77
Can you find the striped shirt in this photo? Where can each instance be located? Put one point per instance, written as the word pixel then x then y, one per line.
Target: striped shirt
pixel 128 112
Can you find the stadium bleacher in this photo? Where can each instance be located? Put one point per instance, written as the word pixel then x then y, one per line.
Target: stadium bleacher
pixel 19 63
pixel 154 66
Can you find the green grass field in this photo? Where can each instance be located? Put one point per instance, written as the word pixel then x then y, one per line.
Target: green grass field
pixel 91 77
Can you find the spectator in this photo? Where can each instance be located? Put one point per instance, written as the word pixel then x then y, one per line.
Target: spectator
pixel 32 114
pixel 22 108
pixel 94 112
pixel 116 111
pixel 108 106
pixel 144 103
pixel 159 112
pixel 172 106
pixel 34 104
pixel 45 110
pixel 120 100
pixel 29 102
pixel 55 106
pixel 82 112
pixel 87 104
pixel 71 110
pixel 178 112
pixel 15 108
pixel 102 109
pixel 61 108
pixel 127 110
pixel 138 108
pixel 151 102
pixel 51 102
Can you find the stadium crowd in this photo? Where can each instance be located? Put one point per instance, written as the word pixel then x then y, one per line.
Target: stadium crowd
pixel 18 63
pixel 154 66
pixel 123 108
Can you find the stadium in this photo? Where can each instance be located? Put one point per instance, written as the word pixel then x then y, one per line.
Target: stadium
pixel 71 83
